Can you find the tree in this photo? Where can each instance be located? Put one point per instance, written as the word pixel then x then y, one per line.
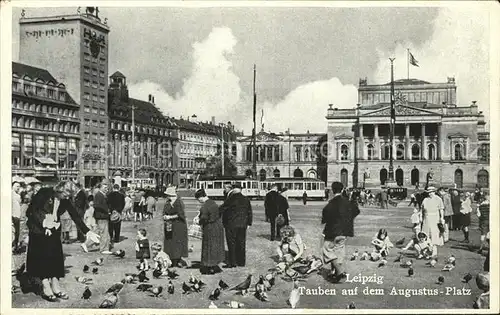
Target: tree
pixel 214 165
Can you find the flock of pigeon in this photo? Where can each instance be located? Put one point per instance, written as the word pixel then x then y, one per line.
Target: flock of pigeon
pixel 449 265
pixel 195 285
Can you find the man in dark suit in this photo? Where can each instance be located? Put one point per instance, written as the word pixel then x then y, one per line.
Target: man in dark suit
pixel 116 203
pixel 101 215
pixel 338 217
pixel 236 217
pixel 80 204
pixel 271 206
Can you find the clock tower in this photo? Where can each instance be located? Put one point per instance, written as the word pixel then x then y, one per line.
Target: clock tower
pixel 75 49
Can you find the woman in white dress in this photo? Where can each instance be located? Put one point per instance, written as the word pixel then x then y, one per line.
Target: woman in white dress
pixel 432 215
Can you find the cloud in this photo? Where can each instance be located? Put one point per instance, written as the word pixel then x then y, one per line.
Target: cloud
pixel 457 48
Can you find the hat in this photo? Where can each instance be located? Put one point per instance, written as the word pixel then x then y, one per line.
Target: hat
pixel 170 191
pixel 430 189
pixel 104 181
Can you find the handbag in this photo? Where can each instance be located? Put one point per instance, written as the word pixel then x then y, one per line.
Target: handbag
pixel 195 231
pixel 441 228
pixel 280 220
pixel 115 216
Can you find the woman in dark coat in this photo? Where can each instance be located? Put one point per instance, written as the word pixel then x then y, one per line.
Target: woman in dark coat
pixel 45 259
pixel 212 244
pixel 175 228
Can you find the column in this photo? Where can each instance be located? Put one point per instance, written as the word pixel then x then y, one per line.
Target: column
pixel 440 140
pixel 376 141
pixel 423 151
pixel 407 142
pixel 273 152
pixel 351 151
pixel 394 150
pixel 361 143
pixel 338 145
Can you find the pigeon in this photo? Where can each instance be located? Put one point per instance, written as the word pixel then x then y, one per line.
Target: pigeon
pixel 243 287
pixel 440 280
pixel 314 266
pixel 234 304
pixel 467 278
pixel 262 281
pixel 115 288
pixel 215 294
pixel 156 291
pixel 212 305
pixel 364 256
pixel 15 289
pixel 294 298
pixel 432 262
pixel 170 287
pixel 144 287
pixel 119 253
pixel 382 263
pixel 86 268
pixel 223 285
pixel 398 259
pixel 271 277
pixel 411 272
pixel 98 262
pixel 143 265
pixel 351 306
pixel 448 267
pixel 83 280
pixel 110 301
pixel 301 269
pixel 157 273
pixel 186 288
pixel 400 242
pixel 196 287
pixel 451 260
pixel 130 279
pixel 172 274
pixel 355 255
pixel 261 296
pixel 142 276
pixel 87 293
pixel 407 264
pixel 95 270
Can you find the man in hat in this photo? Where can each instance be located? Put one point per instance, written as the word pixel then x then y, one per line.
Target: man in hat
pixel 236 217
pixel 80 204
pixel 271 206
pixel 433 218
pixel 101 215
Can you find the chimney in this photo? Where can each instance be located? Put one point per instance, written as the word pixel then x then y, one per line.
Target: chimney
pixel 194 118
pixel 213 120
pixel 473 108
pixel 149 98
pixel 152 99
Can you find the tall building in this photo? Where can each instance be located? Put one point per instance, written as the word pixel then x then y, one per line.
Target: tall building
pixel 282 155
pixel 435 139
pixel 155 137
pixel 74 48
pixel 45 126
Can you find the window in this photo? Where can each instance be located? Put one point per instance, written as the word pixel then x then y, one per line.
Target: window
pixel 86 96
pixel 86 136
pixel 102 137
pixel 344 152
pixel 86 56
pixel 40 145
pixel 62 96
pixel 38 90
pixel 101 74
pixel 431 152
pixel 87 122
pixel 400 152
pixel 298 153
pixel 102 112
pixel 102 99
pixel 459 152
pixel 50 93
pixel 94 136
pixel 484 152
pixel 415 152
pixel 103 124
pixel 72 144
pixel 15 86
pixel 94 84
pixel 386 152
pixel 102 60
pixel 94 97
pixel 94 60
pixel 102 86
pixel 28 143
pixel 94 110
pixel 86 70
pixel 370 152
pixel 94 71
pixel 87 109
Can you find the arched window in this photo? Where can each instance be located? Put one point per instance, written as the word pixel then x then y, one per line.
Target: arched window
pixel 458 152
pixel 386 152
pixel 399 177
pixel 298 173
pixel 383 176
pixel 483 154
pixel 459 178
pixel 344 177
pixel 371 152
pixel 262 174
pixel 483 179
pixel 248 173
pixel 344 152
pixel 400 152
pixel 415 152
pixel 431 152
pixel 415 176
pixel 312 174
pixel 276 173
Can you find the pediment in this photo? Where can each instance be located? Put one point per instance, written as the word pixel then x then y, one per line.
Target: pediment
pixel 263 137
pixel 401 110
pixel 342 136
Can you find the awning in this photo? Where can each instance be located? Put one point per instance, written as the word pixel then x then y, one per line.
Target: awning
pixel 44 160
pixel 30 180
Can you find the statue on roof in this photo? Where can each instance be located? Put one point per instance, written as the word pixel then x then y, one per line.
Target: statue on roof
pixel 451 79
pixel 363 81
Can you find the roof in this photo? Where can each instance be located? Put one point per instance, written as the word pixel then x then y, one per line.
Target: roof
pixel 33 72
pixel 145 112
pixel 295 179
pixel 117 74
pixel 408 82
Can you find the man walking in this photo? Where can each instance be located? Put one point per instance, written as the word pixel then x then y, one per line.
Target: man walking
pixel 338 217
pixel 116 202
pixel 236 217
pixel 383 199
pixel 271 206
pixel 101 215
pixel 80 203
pixel 16 213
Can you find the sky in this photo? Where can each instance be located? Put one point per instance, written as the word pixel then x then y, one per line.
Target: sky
pixel 200 60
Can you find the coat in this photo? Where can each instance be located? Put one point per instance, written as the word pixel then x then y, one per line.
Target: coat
pixel 175 241
pixel 338 217
pixel 116 201
pixel 236 211
pixel 448 208
pixel 81 203
pixel 271 204
pixel 212 244
pixel 101 211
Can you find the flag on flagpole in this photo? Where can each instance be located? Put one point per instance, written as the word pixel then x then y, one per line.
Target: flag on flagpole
pixel 413 61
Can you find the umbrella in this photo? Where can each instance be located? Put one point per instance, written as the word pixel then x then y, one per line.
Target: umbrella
pixel 30 180
pixel 17 178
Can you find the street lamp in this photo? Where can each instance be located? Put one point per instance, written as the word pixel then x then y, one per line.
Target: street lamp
pixel 393 118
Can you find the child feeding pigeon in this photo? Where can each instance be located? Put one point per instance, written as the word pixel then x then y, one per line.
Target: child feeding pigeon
pixel 382 244
pixel 422 245
pixel 291 247
pixel 161 259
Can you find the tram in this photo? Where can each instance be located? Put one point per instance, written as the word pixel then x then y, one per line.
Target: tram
pixel 296 186
pixel 214 185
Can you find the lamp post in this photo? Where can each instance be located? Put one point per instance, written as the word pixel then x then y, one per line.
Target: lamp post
pixel 133 144
pixel 393 118
pixel 222 147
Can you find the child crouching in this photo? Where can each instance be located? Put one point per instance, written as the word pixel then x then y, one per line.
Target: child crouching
pixel 422 245
pixel 161 259
pixel 382 245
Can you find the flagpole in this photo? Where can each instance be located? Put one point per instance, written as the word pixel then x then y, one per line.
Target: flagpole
pixel 254 138
pixel 408 63
pixel 391 159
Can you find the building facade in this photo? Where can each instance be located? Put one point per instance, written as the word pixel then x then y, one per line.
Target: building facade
pixel 155 142
pixel 282 155
pixel 75 50
pixel 433 137
pixel 45 126
pixel 198 141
